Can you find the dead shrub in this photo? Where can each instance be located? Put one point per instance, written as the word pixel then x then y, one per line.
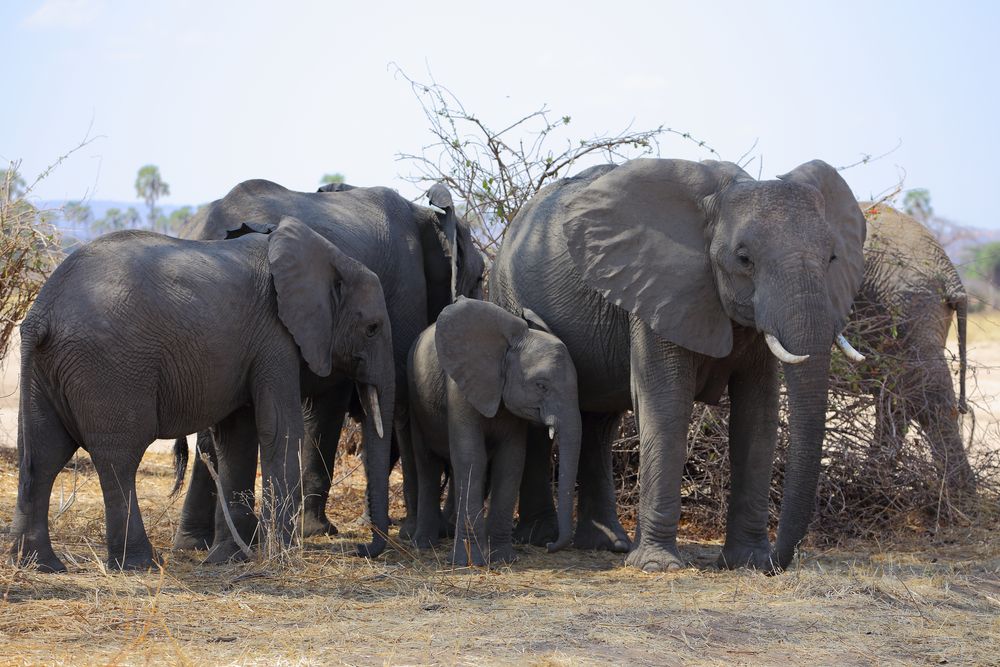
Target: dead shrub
pixel 868 486
pixel 28 252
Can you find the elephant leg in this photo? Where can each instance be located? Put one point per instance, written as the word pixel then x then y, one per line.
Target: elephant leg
pixel 281 432
pixel 469 464
pixel 197 523
pixel 236 462
pixel 940 425
pixel 116 460
pixel 51 448
pixel 663 389
pixel 753 434
pixel 597 524
pixel 402 440
pixel 429 470
pixel 323 427
pixel 937 413
pixel 506 470
pixel 536 521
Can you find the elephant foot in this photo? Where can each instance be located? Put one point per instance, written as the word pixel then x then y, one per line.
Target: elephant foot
pixel 537 531
pixel 47 562
pixel 651 557
pixel 313 524
pixel 467 554
pixel 50 565
pixel 756 556
pixel 407 528
pixel 192 541
pixel 503 555
pixel 225 552
pixel 446 528
pixel 600 535
pixel 134 562
pixel 425 539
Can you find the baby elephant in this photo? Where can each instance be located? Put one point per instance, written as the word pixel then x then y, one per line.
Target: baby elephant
pixel 478 377
pixel 138 336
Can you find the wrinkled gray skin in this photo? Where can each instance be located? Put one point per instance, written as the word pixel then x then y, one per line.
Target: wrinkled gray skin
pixel 661 277
pixel 912 288
pixel 476 378
pixel 415 252
pixel 138 336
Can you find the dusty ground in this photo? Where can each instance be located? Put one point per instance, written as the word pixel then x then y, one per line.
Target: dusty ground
pixel 911 599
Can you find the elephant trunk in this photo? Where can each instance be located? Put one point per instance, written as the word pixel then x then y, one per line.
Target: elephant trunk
pixel 806 326
pixel 567 436
pixel 807 395
pixel 378 400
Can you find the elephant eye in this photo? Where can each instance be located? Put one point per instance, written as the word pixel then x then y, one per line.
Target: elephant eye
pixel 744 258
pixel 372 330
pixel 832 257
pixel 542 387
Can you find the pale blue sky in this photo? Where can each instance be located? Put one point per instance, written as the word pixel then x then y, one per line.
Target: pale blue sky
pixel 218 92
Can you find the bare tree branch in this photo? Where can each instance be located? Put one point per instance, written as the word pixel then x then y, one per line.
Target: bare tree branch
pixel 493 173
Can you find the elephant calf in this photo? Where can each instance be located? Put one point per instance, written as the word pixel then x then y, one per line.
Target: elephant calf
pixel 138 336
pixel 477 378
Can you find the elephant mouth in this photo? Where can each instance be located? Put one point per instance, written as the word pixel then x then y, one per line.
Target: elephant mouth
pixel 361 370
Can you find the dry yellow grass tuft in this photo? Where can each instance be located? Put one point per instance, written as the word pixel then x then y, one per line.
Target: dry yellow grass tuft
pixel 926 601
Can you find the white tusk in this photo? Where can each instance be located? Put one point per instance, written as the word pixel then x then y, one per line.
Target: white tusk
pixel 376 410
pixel 437 209
pixel 849 350
pixel 778 350
pixel 552 433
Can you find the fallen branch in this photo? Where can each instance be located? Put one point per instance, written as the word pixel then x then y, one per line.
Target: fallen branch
pixel 222 503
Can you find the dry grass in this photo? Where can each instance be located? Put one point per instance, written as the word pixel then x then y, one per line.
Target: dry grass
pixel 925 600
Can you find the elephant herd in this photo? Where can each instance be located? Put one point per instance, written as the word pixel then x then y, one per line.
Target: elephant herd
pixel 646 286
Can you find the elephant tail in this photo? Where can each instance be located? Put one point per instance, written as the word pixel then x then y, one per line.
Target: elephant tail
pixel 960 302
pixel 180 463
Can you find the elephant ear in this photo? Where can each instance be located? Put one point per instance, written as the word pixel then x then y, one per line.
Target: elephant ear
pixel 441 203
pixel 638 236
pixel 308 272
pixel 534 320
pixel 472 339
pixel 846 222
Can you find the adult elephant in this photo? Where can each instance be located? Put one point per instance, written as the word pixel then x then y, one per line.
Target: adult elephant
pixel 671 281
pixel 902 314
pixel 423 257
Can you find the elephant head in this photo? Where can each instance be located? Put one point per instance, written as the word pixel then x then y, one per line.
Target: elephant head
pixel 692 248
pixel 495 358
pixel 335 310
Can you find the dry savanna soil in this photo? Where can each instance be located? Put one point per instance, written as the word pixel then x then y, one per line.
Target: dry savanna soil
pixel 910 598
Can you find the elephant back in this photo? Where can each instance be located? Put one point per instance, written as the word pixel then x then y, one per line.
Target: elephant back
pixel 903 257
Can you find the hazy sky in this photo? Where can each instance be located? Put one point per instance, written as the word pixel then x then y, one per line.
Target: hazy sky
pixel 219 92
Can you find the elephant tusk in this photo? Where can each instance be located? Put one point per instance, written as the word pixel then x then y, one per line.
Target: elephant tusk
pixel 376 410
pixel 778 350
pixel 437 209
pixel 552 433
pixel 849 350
